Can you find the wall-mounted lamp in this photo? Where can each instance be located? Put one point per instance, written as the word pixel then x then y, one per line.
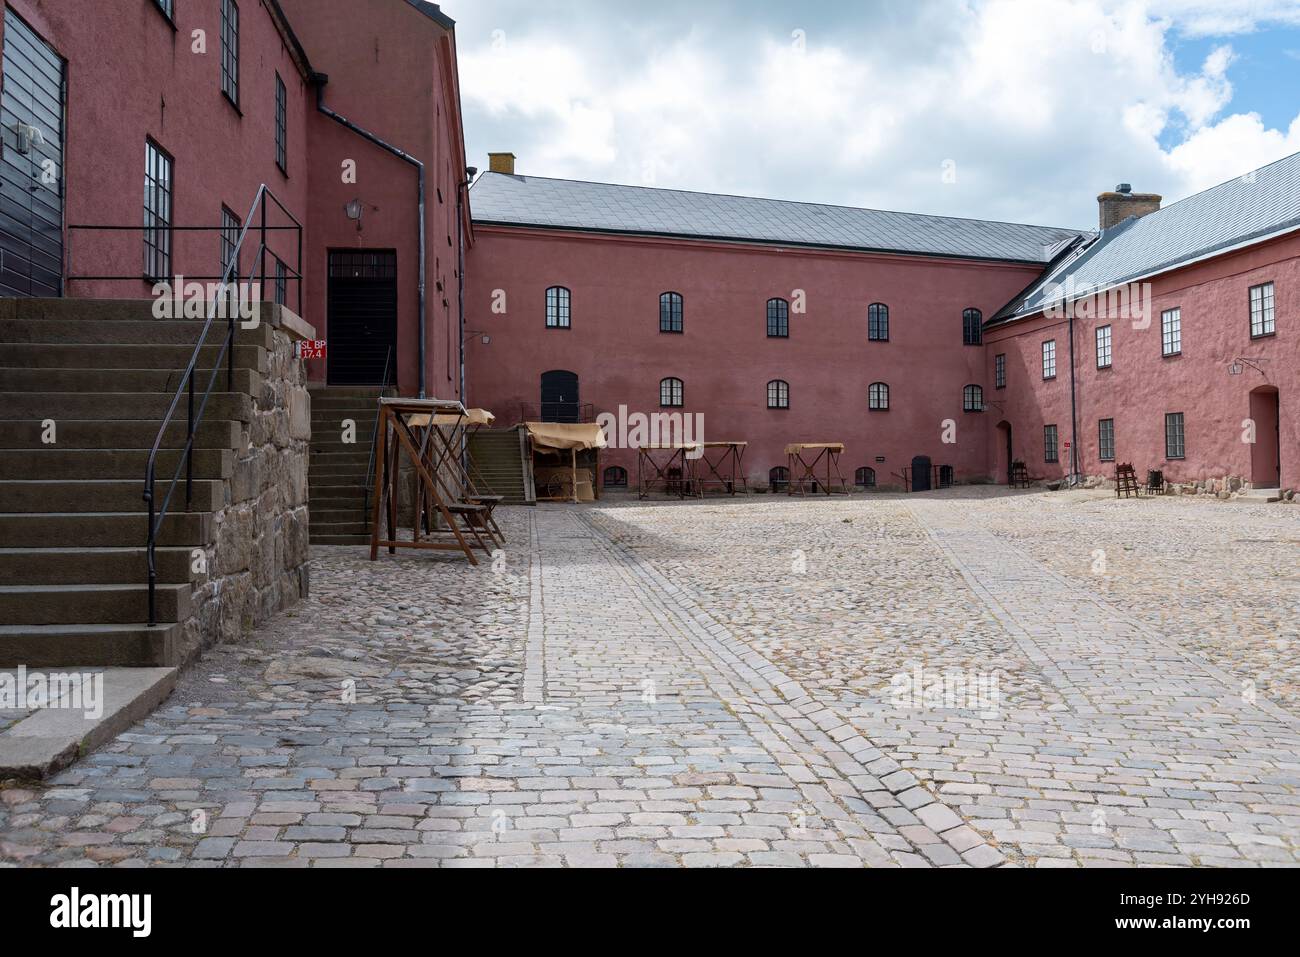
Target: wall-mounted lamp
pixel 486 339
pixel 1235 368
pixel 354 210
pixel 1238 365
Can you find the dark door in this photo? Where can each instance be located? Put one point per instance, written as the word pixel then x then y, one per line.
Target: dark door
pixel 921 474
pixel 560 396
pixel 1010 455
pixel 361 317
pixel 31 173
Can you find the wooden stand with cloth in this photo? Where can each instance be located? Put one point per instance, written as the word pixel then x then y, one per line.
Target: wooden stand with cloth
pixel 565 440
pixel 804 473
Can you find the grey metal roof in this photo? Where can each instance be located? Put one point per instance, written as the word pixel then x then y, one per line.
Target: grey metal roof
pixel 500 199
pixel 1250 207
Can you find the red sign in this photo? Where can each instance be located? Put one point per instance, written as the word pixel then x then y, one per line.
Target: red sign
pixel 315 349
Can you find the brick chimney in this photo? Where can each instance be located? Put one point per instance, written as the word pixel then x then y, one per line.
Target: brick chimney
pixel 505 163
pixel 1118 206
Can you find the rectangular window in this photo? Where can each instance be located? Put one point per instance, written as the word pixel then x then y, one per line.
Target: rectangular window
pixel 557 308
pixel 1171 332
pixel 281 125
pixel 168 7
pixel 157 211
pixel 1049 359
pixel 229 240
pixel 230 50
pixel 1175 445
pixel 1103 347
pixel 1000 372
pixel 1050 450
pixel 1262 322
pixel 1106 439
pixel 281 282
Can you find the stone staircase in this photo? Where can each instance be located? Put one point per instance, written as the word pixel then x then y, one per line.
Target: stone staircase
pixel 339 473
pixel 84 386
pixel 498 455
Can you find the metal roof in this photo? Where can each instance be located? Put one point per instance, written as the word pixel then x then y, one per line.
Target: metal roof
pixel 1263 203
pixel 534 201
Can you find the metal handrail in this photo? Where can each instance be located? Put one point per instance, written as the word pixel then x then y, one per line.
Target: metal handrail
pixel 157 514
pixel 374 436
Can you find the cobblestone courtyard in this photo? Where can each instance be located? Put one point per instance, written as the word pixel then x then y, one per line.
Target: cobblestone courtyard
pixel 747 682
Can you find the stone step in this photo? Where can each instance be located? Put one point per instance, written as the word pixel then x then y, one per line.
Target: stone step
pixel 40 355
pixel 50 739
pixel 103 310
pixel 115 604
pixel 340 539
pixel 102 529
pixel 230 406
pixel 59 463
pixel 329 503
pixel 99 495
pixel 335 516
pixel 175 332
pixel 326 447
pixel 93 566
pixel 122 380
pixel 354 456
pixel 119 434
pixel 66 646
pixel 328 529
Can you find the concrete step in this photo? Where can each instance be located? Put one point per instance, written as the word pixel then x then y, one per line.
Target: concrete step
pixel 40 355
pixel 346 392
pixel 59 463
pixel 120 434
pixel 353 456
pixel 61 646
pixel 323 539
pixel 101 310
pixel 333 529
pixel 116 604
pixel 322 445
pixel 92 566
pixel 1263 495
pixel 327 503
pixel 176 332
pixel 230 406
pixel 51 738
pixel 336 516
pixel 102 530
pixel 122 380
pixel 98 495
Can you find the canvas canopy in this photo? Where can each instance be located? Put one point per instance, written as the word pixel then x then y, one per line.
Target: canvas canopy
pixel 836 447
pixel 472 417
pixel 560 436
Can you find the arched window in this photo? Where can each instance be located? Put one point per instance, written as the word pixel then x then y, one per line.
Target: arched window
pixel 878 322
pixel 878 397
pixel 778 319
pixel 778 394
pixel 616 477
pixel 972 327
pixel 670 312
pixel 670 393
pixel 557 308
pixel 865 477
pixel 973 398
pixel 779 478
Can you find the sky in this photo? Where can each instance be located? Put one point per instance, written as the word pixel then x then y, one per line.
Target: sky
pixel 1013 110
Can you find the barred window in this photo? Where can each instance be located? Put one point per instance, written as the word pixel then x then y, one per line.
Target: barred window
pixel 557 308
pixel 973 398
pixel 1262 321
pixel 1051 452
pixel 972 325
pixel 878 397
pixel 1049 359
pixel 1171 332
pixel 615 477
pixel 670 312
pixel 865 477
pixel 281 125
pixel 1000 371
pixel 670 393
pixel 1103 347
pixel 779 478
pixel 878 322
pixel 1175 443
pixel 229 242
pixel 778 394
pixel 1106 439
pixel 230 50
pixel 778 319
pixel 157 211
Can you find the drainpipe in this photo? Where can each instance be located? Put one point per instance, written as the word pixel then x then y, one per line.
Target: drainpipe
pixel 1074 416
pixel 460 276
pixel 320 79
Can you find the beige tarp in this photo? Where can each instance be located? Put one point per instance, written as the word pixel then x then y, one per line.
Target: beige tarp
pixel 472 417
pixel 557 436
pixel 813 446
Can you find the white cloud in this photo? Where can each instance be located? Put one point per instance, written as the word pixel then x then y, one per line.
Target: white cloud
pixel 1035 106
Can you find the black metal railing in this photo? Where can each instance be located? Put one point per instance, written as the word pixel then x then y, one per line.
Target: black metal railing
pixel 559 412
pixel 226 298
pixel 384 386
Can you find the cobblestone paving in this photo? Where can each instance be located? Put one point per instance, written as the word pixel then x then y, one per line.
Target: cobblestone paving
pixel 717 684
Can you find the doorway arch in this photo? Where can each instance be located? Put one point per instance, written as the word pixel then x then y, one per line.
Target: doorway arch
pixel 1266 453
pixel 560 396
pixel 1006 454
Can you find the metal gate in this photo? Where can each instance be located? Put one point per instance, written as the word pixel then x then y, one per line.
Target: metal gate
pixel 31 172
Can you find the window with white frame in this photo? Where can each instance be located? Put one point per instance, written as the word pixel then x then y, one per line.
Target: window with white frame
pixel 558 301
pixel 1171 332
pixel 230 50
pixel 973 398
pixel 1049 359
pixel 1103 347
pixel 878 397
pixel 778 394
pixel 670 393
pixel 1262 321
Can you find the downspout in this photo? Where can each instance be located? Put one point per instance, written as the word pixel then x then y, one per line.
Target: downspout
pixel 320 79
pixel 460 276
pixel 1074 416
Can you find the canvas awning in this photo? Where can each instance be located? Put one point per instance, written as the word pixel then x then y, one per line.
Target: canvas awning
pixel 472 417
pixel 561 436
pixel 836 447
